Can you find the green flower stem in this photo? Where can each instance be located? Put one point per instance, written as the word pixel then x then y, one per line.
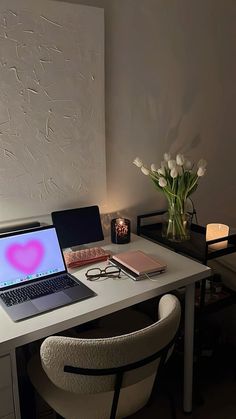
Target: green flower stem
pixel 176 192
pixel 177 227
pixel 188 191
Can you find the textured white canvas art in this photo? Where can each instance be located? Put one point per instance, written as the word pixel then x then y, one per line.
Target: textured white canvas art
pixel 52 141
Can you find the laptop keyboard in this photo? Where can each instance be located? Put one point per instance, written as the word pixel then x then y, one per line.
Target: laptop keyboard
pixel 36 290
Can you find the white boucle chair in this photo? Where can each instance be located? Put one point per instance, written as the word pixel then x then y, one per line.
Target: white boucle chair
pixel 102 378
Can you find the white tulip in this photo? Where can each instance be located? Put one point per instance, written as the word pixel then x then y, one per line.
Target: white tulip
pixel 161 171
pixel 174 172
pixel 188 164
pixel 171 164
pixel 154 168
pixel 164 164
pixel 138 162
pixel 162 182
pixel 201 171
pixel 179 170
pixel 167 156
pixel 202 163
pixel 145 171
pixel 180 159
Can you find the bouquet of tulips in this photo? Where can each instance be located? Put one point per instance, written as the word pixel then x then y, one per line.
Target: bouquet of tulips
pixel 177 178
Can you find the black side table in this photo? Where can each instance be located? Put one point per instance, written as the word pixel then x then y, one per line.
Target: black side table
pixel 197 247
pixel 149 226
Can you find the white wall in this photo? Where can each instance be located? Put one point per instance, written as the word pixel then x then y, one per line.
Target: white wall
pixel 170 85
pixel 52 131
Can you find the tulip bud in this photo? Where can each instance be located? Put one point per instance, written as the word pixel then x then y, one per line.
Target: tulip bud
pixel 201 171
pixel 179 170
pixel 138 162
pixel 167 156
pixel 145 171
pixel 171 164
pixel 188 164
pixel 162 182
pixel 164 164
pixel 180 159
pixel 161 171
pixel 174 172
pixel 154 168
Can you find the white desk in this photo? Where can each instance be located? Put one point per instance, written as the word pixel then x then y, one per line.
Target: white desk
pixel 112 295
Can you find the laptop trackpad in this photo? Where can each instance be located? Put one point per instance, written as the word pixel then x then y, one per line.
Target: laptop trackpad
pixel 51 301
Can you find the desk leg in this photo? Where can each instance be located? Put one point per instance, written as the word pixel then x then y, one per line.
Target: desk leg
pixel 188 347
pixel 15 385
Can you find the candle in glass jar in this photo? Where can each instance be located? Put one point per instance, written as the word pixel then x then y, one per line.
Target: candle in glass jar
pixel 120 230
pixel 216 231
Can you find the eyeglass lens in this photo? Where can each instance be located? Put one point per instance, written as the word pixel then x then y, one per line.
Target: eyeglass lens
pixel 109 271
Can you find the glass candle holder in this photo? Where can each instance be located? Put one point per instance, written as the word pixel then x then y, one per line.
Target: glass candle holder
pixel 120 230
pixel 216 231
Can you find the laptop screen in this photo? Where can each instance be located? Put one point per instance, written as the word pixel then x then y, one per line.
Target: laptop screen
pixel 29 255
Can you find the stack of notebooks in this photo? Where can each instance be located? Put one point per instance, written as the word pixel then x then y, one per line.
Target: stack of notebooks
pixel 137 264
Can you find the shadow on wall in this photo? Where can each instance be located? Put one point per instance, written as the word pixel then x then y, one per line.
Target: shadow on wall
pixel 175 133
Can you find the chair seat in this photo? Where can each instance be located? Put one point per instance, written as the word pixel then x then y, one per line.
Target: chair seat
pixel 66 403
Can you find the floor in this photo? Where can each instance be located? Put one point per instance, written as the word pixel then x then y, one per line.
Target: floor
pixel 215 397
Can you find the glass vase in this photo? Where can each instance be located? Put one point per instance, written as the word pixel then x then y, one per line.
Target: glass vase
pixel 176 224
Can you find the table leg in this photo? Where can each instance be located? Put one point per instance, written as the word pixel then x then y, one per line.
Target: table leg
pixel 188 347
pixel 15 385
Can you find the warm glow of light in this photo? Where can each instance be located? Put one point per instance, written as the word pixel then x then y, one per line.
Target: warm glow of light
pixel 120 230
pixel 216 231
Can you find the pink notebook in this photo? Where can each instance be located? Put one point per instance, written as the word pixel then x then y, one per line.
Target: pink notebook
pixel 139 262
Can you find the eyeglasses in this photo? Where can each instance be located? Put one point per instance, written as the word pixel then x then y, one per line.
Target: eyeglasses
pixel 97 273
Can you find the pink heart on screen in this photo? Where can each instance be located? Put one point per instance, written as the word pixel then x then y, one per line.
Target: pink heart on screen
pixel 25 257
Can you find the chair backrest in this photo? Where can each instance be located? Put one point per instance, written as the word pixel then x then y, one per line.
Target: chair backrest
pixel 58 353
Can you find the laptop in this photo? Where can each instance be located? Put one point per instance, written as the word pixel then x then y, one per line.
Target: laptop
pixel 33 274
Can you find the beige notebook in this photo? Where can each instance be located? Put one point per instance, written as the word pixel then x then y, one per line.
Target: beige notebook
pixel 139 262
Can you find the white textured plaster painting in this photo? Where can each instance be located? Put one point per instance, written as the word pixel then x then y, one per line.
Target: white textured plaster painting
pixel 52 141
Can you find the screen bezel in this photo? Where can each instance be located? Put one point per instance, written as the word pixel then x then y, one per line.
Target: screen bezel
pixel 31 281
